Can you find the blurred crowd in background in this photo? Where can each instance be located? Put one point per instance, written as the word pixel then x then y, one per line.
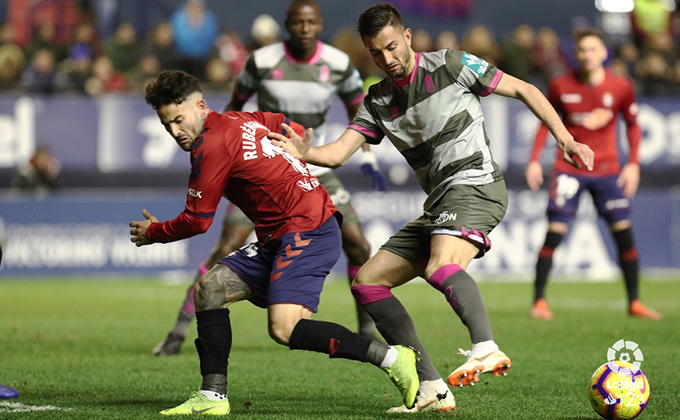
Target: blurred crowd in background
pixel 80 59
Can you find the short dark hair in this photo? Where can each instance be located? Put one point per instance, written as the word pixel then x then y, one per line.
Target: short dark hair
pixel 579 35
pixel 296 4
pixel 171 86
pixel 377 17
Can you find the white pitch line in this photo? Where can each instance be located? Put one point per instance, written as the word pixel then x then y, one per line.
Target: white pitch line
pixel 15 407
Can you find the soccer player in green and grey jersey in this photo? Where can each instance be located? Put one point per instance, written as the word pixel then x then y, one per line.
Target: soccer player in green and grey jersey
pixel 429 108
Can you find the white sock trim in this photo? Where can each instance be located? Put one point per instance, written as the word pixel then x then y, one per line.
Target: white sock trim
pixel 213 396
pixel 484 347
pixel 390 357
pixel 437 386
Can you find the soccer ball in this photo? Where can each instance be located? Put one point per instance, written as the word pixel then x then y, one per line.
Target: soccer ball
pixel 618 390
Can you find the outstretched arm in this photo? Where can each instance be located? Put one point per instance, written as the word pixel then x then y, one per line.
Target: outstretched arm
pixel 538 104
pixel 331 155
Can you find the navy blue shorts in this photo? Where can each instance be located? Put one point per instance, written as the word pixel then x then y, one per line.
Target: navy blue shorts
pixel 291 269
pixel 565 191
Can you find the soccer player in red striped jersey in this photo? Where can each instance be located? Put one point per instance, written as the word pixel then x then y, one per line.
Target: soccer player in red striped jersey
pixel 590 99
pixel 298 240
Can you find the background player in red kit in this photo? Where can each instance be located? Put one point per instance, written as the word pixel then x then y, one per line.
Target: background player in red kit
pixel 589 101
pixel 298 240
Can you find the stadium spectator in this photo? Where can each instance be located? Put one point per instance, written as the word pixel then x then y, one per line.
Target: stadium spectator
pixel 124 49
pixel 652 17
pixel 45 38
pixel 326 74
pixel 655 77
pixel 630 56
pixel 85 40
pixel 295 220
pixel 41 74
pixel 516 53
pixel 480 41
pixel 444 140
pixel 422 40
pixel 195 29
pixel 161 44
pixel 547 56
pixel 12 58
pixel 77 69
pixel 592 120
pixel 446 39
pixel 105 79
pixel 264 31
pixel 147 70
pixel 231 50
pixel 40 174
pixel 218 76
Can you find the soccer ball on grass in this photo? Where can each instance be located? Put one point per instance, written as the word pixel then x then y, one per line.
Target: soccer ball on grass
pixel 618 390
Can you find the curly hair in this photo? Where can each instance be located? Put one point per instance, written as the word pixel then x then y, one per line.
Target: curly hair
pixel 171 86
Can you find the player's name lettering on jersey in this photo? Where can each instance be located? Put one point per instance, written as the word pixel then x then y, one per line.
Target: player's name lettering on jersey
pixel 308 184
pixel 195 193
pixel 248 139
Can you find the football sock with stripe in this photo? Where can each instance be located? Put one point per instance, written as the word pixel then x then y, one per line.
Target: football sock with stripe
pixel 394 323
pixel 336 341
pixel 464 296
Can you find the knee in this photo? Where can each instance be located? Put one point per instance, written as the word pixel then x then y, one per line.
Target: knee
pixel 363 278
pixel 209 293
pixel 281 331
pixel 432 267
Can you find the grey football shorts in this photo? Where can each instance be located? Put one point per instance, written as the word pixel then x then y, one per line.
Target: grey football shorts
pixel 467 211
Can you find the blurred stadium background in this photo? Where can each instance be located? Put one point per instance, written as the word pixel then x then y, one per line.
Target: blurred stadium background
pixel 72 76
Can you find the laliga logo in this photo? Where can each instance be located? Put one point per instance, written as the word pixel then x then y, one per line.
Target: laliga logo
pixel 625 351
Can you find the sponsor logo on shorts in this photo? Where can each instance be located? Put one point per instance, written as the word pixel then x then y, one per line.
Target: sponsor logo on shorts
pixel 446 217
pixel 195 193
pixel 621 203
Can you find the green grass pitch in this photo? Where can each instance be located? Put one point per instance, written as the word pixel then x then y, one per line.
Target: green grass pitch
pixel 85 347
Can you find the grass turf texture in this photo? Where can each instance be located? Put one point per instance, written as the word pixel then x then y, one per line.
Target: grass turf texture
pixel 87 346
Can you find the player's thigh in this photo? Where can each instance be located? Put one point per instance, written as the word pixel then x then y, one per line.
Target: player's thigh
pixel 450 249
pixel 301 264
pixel 387 269
pixel 609 200
pixel 565 192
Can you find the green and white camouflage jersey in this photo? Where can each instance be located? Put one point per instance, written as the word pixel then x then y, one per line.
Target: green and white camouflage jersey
pixel 435 120
pixel 301 90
